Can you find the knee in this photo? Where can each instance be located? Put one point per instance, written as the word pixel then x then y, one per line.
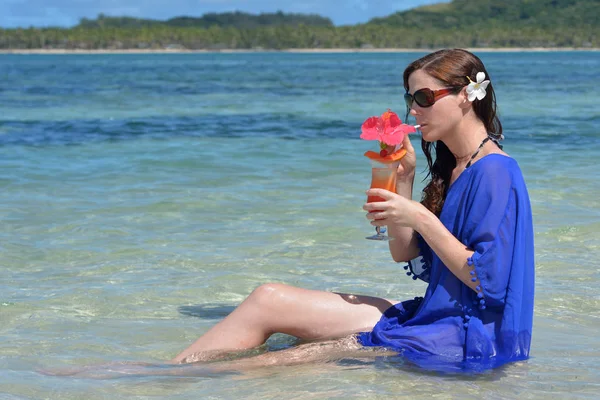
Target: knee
pixel 267 294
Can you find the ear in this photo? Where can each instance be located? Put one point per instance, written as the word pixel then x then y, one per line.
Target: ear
pixel 463 97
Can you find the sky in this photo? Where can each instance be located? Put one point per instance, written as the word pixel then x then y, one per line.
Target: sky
pixel 66 13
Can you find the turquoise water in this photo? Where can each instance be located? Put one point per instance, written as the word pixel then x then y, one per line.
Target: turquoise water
pixel 144 196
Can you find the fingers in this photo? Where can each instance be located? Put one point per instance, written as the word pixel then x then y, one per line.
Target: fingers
pixel 370 207
pixel 382 193
pixel 376 212
pixel 376 217
pixel 407 144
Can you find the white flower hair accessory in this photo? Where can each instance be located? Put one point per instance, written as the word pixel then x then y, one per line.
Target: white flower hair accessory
pixel 476 90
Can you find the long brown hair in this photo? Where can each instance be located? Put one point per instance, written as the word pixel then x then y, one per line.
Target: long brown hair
pixel 451 67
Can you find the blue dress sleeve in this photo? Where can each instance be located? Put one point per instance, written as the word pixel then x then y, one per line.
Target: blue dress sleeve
pixel 489 230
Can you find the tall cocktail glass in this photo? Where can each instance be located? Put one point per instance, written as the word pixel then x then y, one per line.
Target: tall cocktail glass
pixel 383 176
pixel 390 132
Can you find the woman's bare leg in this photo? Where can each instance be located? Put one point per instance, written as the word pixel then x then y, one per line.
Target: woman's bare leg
pixel 316 353
pixel 277 308
pixel 307 353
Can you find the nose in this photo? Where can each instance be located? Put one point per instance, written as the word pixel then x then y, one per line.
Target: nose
pixel 413 110
pixel 410 111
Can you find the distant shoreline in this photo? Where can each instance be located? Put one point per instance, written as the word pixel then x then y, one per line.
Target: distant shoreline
pixel 308 50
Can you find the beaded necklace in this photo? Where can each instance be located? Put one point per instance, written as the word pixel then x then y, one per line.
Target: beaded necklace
pixel 477 152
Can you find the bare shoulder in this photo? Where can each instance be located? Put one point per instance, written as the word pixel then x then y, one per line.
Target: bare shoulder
pixel 493 148
pixel 497 150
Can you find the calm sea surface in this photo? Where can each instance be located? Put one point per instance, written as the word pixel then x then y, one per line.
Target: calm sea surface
pixel 142 197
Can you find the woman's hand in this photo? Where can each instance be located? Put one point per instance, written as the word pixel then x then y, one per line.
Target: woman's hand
pixel 408 163
pixel 395 210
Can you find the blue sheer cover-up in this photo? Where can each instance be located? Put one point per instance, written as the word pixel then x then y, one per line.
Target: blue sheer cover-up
pixel 453 328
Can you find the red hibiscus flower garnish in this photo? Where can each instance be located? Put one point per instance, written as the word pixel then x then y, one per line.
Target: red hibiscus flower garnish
pixel 388 129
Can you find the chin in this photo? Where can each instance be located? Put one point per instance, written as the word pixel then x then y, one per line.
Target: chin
pixel 428 137
pixel 431 135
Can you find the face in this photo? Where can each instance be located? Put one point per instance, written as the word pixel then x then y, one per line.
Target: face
pixel 439 120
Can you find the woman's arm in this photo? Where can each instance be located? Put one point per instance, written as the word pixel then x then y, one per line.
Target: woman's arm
pixel 448 248
pixel 400 215
pixel 405 246
pixel 483 258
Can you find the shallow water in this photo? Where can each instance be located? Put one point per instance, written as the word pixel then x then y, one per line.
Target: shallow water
pixel 144 196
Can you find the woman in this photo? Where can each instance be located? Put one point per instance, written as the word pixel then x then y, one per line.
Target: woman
pixel 471 238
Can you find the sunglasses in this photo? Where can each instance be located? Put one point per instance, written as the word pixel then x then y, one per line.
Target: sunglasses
pixel 426 97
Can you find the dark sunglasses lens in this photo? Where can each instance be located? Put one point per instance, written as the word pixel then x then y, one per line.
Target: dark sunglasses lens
pixel 424 98
pixel 408 99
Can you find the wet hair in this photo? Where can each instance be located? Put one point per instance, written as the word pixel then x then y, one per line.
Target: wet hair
pixel 451 67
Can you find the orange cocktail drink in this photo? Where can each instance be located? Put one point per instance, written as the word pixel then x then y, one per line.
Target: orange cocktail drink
pixel 383 176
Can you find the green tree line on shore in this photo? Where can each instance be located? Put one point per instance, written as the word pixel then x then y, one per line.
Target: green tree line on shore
pixel 236 19
pixel 460 23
